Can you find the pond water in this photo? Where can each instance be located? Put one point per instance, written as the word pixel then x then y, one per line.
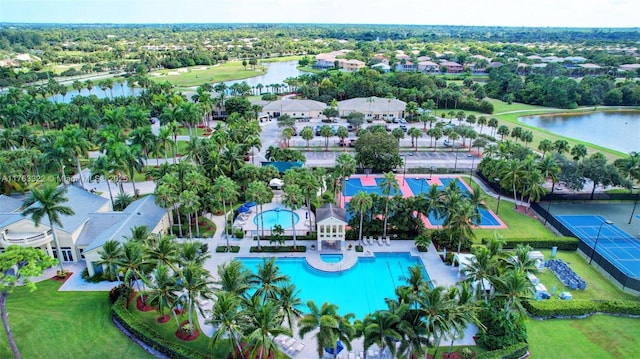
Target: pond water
pixel 615 130
pixel 118 91
pixel 276 73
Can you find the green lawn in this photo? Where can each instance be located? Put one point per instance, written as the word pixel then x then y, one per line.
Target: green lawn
pixel 52 324
pixel 519 225
pixel 198 75
pixel 600 336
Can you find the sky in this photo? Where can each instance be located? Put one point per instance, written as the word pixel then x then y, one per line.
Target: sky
pixel 531 13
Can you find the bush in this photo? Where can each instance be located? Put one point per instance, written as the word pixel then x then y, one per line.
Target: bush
pixel 579 307
pixel 95 279
pixel 149 335
pixel 277 249
pixel 223 249
pixel 121 291
pixel 514 351
pixel 359 248
pixel 563 243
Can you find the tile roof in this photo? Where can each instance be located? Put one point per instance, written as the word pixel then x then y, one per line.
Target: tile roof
pixel 9 204
pixel 330 210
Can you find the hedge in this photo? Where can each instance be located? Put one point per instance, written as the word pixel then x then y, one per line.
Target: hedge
pixel 277 249
pixel 554 308
pixel 223 249
pixel 514 351
pixel 149 336
pixel 563 243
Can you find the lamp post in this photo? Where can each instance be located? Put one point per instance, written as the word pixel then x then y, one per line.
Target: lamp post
pixel 404 168
pixel 593 250
pixel 498 206
pixel 635 203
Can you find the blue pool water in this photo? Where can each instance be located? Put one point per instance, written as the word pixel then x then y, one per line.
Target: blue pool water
pixel 360 290
pixel 331 258
pixel 274 217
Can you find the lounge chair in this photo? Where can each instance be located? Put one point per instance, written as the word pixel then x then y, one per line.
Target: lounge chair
pixel 370 240
pixel 387 241
pixel 380 240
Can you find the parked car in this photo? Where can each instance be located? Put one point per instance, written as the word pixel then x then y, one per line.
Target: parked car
pixel 387 127
pixel 402 120
pixel 403 128
pixel 395 120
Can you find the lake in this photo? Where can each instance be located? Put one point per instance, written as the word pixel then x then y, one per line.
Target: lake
pixel 276 73
pixel 118 91
pixel 615 130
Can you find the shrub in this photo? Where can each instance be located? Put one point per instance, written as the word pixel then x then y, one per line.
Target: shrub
pixel 277 249
pixel 514 351
pixel 223 249
pixel 149 335
pixel 120 291
pixel 95 279
pixel 563 243
pixel 579 307
pixel 359 248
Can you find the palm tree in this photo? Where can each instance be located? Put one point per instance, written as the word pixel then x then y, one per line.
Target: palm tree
pixel 290 303
pixel 162 291
pixel 361 202
pixel 102 168
pixel 513 175
pixel 389 184
pixel 132 262
pixel 345 166
pixel 164 251
pixel 326 320
pixel 268 279
pixel 293 199
pixel 48 202
pixel 196 283
pixel 234 278
pixel 514 287
pixel 415 134
pixel 227 318
pixel 379 328
pixel 264 323
pixel 260 193
pixel 109 255
pixel 227 191
pixel 479 270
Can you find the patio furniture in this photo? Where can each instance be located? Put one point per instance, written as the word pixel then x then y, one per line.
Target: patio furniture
pixel 380 240
pixel 387 241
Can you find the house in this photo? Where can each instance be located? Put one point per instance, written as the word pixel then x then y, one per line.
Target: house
pixel 105 226
pixel 452 67
pixel 428 66
pixel 82 234
pixel 331 225
pixel 406 66
pixel 350 65
pixel 373 108
pixel 629 67
pixel 294 108
pixel 382 67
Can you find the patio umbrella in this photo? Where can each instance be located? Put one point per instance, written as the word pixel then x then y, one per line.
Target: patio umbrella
pixel 250 204
pixel 338 348
pixel 243 209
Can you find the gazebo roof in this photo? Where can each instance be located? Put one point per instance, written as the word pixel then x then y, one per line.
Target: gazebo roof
pixel 330 210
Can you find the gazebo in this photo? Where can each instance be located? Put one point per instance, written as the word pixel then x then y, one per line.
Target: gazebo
pixel 331 224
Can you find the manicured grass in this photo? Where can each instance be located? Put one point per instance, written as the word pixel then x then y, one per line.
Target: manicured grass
pixel 216 73
pixel 600 336
pixel 52 324
pixel 520 225
pixel 281 59
pixel 184 131
pixel 168 330
pixel 599 287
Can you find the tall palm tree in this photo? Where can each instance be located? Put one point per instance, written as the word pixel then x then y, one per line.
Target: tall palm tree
pixel 389 184
pixel 195 283
pixel 260 193
pixel 268 279
pixel 294 200
pixel 380 329
pixel 514 287
pixel 48 202
pixel 332 327
pixel 109 255
pixel 512 175
pixel 227 191
pixel 234 278
pixel 162 291
pixel 345 167
pixel 227 318
pixel 479 270
pixel 290 303
pixel 164 251
pixel 133 263
pixel 264 323
pixel 361 203
pixel 102 168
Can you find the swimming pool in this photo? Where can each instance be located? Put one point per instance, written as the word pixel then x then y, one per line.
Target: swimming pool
pixel 275 217
pixel 360 290
pixel 331 258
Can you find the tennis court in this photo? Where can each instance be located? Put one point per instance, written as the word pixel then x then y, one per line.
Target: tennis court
pixel 355 185
pixel 616 245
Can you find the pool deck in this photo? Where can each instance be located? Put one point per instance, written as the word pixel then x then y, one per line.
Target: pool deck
pixel 296 347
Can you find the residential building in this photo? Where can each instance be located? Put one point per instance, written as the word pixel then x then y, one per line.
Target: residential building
pixel 373 108
pixel 428 66
pixel 331 225
pixel 294 108
pixel 452 67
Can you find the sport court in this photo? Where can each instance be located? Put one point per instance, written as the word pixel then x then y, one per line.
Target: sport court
pixel 413 186
pixel 616 245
